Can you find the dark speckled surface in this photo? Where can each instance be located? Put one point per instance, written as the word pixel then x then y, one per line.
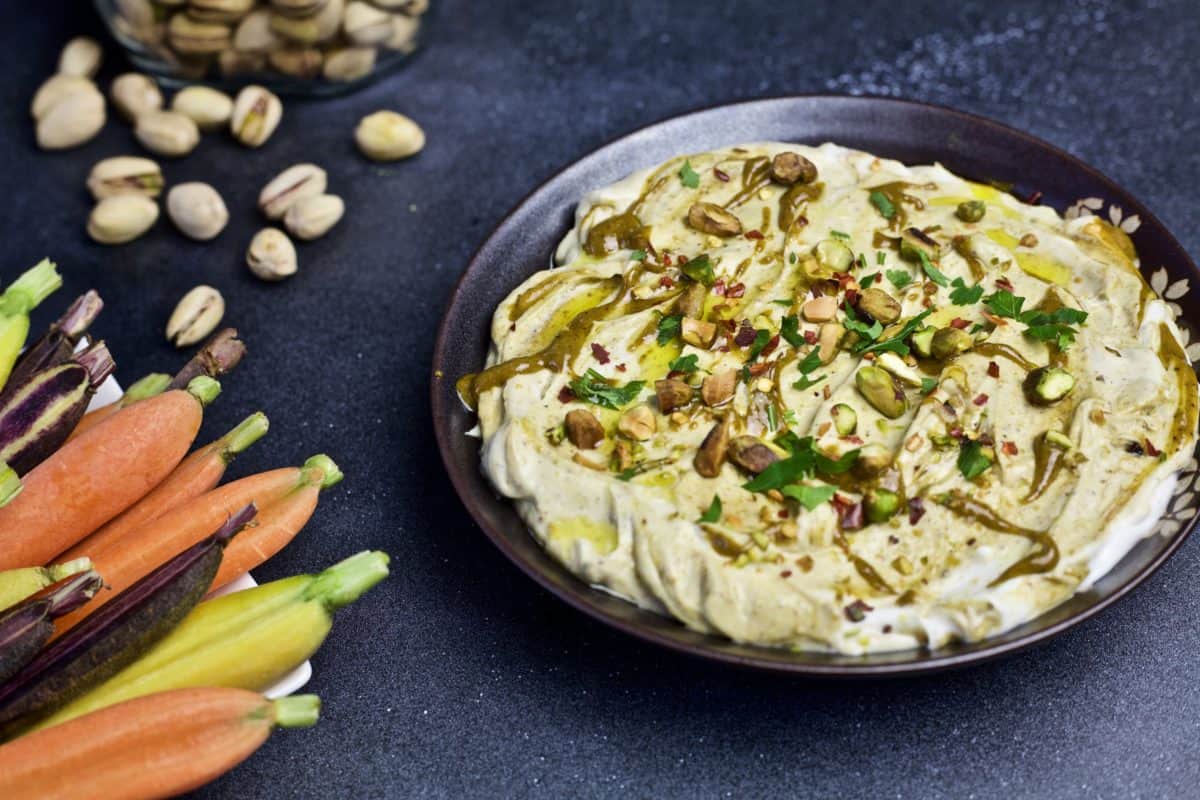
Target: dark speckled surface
pixel 459 677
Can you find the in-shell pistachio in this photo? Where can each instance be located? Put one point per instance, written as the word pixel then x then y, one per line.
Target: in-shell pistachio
pixel 125 175
pixel 196 316
pixel 388 136
pixel 190 37
pixel 219 10
pixel 137 14
pixel 348 63
pixel 197 210
pixel 134 94
pixel 311 217
pixel 404 33
pixel 167 133
pixel 271 255
pixel 256 114
pixel 71 121
pixel 299 62
pixel 364 24
pixel 298 8
pixel 208 108
pixel 121 218
pixel 57 88
pixel 293 184
pixel 81 56
pixel 254 34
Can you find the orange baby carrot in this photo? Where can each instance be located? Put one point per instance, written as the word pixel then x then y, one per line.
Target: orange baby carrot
pixel 156 746
pixel 97 476
pixel 123 563
pixel 194 476
pixel 278 523
pixel 153 384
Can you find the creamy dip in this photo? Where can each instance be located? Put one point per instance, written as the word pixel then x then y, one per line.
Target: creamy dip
pixel 814 399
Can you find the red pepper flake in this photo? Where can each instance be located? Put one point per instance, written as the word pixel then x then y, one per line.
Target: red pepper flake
pixel 916 509
pixel 737 290
pixel 1004 283
pixel 887 628
pixel 666 259
pixel 1009 448
pixel 971 542
pixel 722 176
pixel 1151 450
pixel 730 325
pixel 852 439
pixel 868 356
pixel 754 235
pixel 800 220
pixel 759 368
pixel 723 348
pixel 600 353
pixel 565 395
pixel 621 367
pixel 959 322
pixel 844 279
pixel 783 513
pixel 980 399
pixel 770 346
pixel 810 337
pixel 718 287
pixel 787 573
pixel 956 433
pixel 1034 198
pixel 857 611
pixel 999 322
pixel 893 539
pixel 993 369
pixel 850 515
pixel 986 439
pixel 851 297
pixel 666 282
pixel 745 335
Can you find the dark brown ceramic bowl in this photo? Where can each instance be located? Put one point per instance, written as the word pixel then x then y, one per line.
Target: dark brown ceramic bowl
pixel 914 133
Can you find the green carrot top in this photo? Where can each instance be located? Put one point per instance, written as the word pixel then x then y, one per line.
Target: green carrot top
pixel 30 289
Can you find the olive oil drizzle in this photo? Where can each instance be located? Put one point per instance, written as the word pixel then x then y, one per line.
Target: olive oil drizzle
pixel 539 292
pixel 1044 556
pixel 863 567
pixel 997 350
pixel 898 197
pixel 1048 460
pixel 795 200
pixel 978 270
pixel 756 174
pixel 620 232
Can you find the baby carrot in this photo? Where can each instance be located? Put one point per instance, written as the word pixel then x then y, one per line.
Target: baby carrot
pixel 195 475
pixel 153 384
pixel 278 523
pixel 97 476
pixel 139 552
pixel 156 746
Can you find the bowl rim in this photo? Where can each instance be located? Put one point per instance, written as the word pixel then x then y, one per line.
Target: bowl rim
pixel 982 651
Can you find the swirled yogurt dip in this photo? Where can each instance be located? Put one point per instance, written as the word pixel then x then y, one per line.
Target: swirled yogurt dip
pixel 814 399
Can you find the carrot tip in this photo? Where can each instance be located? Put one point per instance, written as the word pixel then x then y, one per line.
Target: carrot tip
pixel 333 475
pixel 248 431
pixel 150 385
pixel 297 711
pixel 204 389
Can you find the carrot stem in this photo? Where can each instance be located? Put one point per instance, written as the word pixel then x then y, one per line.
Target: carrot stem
pixel 30 289
pixel 220 354
pixel 347 580
pixel 204 389
pixel 148 386
pixel 248 431
pixel 297 711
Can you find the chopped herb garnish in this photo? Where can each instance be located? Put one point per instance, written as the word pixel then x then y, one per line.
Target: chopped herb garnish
pixel 761 337
pixel 898 278
pixel 807 383
pixel 810 362
pixel 963 295
pixel 669 327
pixel 1004 303
pixel 928 385
pixel 880 257
pixel 810 496
pixel 853 323
pixel 594 388
pixel 789 329
pixel 971 461
pixel 896 344
pixel 638 255
pixel 713 514
pixel 772 418
pixel 805 461
pixel 688 176
pixel 1053 326
pixel 685 363
pixel 934 275
pixel 839 235
pixel 790 418
pixel 792 258
pixel 782 301
pixel 866 281
pixel 699 269
pixel 884 206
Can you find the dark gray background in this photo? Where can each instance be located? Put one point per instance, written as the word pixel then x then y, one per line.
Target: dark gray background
pixel 458 677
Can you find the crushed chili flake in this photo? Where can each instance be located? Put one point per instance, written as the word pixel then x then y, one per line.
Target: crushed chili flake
pixel 971 542
pixel 1004 283
pixel 787 573
pixel 893 539
pixel 621 367
pixel 754 235
pixel 1151 450
pixel 887 628
pixel 857 611
pixel 730 325
pixel 850 515
pixel 959 322
pixel 737 290
pixel 783 513
pixel 980 399
pixel 565 395
pixel 770 346
pixel 759 368
pixel 722 176
pixel 956 433
pixel 1009 448
pixel 916 510
pixel 718 287
pixel 666 259
pixel 666 282
pixel 745 335
pixel 600 353
pixel 852 439
pixel 993 369
pixel 868 356
pixel 986 439
pixel 682 259
pixel 851 297
pixel 810 337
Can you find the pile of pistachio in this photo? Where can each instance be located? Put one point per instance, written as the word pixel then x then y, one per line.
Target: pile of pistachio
pixel 338 40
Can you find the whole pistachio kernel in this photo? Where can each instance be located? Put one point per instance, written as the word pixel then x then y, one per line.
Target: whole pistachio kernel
pixel 125 175
pixel 388 136
pixel 81 56
pixel 256 114
pixel 877 388
pixel 134 94
pixel 57 88
pixel 364 24
pixel 713 219
pixel 72 121
pixel 167 133
pixel 789 167
pixel 312 217
pixel 190 37
pixel 197 210
pixel 121 218
pixel 271 255
pixel 348 63
pixel 294 183
pixel 971 210
pixel 196 316
pixel 208 108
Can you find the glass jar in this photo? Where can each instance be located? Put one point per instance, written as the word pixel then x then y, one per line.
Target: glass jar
pixel 295 47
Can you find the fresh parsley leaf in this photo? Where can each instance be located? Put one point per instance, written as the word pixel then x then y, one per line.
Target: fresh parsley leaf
pixel 685 363
pixel 853 323
pixel 688 176
pixel 805 460
pixel 963 295
pixel 699 269
pixel 810 362
pixel 628 474
pixel 866 281
pixel 898 278
pixel 790 418
pixel 1004 303
pixel 839 235
pixel 713 514
pixel 934 275
pixel 835 466
pixel 928 385
pixel 1059 316
pixel 971 461
pixel 761 337
pixel 638 255
pixel 883 205
pixel 594 388
pixel 669 327
pixel 896 344
pixel 789 329
pixel 810 496
pixel 806 382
